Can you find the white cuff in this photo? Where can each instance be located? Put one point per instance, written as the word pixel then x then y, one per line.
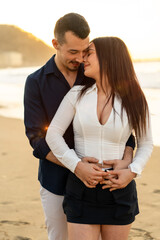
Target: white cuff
pixel 70 160
pixel 135 169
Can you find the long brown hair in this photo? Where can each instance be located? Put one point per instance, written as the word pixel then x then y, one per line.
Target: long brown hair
pixel 116 64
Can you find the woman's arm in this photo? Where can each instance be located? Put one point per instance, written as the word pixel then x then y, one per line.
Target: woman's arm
pixel 144 150
pixel 88 173
pixel 124 176
pixel 57 128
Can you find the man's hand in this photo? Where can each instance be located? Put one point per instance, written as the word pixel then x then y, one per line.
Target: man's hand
pixel 90 174
pixel 117 164
pixel 122 178
pixel 124 163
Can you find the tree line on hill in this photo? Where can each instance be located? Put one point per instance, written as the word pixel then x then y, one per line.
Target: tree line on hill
pixel 14 41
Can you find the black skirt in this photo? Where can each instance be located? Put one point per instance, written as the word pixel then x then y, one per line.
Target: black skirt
pixel 99 206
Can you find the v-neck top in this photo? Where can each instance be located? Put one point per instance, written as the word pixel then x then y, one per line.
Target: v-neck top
pixel 92 139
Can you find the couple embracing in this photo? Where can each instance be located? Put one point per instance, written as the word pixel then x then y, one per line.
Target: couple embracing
pixel 90 98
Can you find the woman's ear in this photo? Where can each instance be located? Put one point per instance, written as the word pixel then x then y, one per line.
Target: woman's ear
pixel 55 44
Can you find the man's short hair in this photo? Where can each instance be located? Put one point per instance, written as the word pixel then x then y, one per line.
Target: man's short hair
pixel 73 22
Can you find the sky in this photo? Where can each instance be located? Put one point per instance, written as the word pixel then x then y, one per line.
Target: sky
pixel 136 22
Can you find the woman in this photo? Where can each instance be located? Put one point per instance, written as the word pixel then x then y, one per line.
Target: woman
pixel 104 114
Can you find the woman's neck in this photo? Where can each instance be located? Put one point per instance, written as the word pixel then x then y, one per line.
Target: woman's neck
pixel 105 89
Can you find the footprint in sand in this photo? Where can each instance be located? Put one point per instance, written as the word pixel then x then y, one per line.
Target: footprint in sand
pixel 4 235
pixel 16 223
pixel 156 191
pixel 6 203
pixel 21 238
pixel 140 234
pixel 144 184
pixel 3 153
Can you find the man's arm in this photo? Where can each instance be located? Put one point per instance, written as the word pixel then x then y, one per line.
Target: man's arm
pixel 36 126
pixel 87 171
pixel 35 121
pixel 50 157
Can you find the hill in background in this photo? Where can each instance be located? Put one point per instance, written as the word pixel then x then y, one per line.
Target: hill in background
pixel 20 48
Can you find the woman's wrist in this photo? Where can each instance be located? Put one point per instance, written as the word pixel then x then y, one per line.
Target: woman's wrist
pixel 133 173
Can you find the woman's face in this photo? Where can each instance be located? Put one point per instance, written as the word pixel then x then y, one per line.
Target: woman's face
pixel 91 63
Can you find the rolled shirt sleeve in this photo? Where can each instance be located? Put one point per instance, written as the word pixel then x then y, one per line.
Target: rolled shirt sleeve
pixel 131 142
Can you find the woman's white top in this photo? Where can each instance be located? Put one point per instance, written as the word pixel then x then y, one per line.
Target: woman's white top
pixel 104 142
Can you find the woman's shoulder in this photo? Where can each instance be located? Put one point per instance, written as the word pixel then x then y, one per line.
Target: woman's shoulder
pixel 75 91
pixel 76 88
pixel 73 94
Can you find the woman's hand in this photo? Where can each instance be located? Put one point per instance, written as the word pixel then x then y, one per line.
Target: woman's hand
pixel 89 173
pixel 122 178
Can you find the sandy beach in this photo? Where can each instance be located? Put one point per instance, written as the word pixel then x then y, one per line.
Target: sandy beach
pixel 21 214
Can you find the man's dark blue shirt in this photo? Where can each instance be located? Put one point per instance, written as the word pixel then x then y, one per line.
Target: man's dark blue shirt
pixel 44 91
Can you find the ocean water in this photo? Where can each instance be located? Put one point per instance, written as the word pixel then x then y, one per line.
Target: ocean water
pixel 12 82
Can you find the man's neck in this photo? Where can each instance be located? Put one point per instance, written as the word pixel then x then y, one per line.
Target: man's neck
pixel 69 75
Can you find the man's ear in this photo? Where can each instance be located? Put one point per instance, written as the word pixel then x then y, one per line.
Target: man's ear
pixel 55 44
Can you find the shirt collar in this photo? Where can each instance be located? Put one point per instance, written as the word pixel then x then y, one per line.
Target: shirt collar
pixel 92 88
pixel 51 67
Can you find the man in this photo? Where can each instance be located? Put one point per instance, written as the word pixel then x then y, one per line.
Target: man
pixel 44 90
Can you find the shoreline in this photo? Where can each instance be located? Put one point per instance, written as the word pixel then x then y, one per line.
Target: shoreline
pixel 135 60
pixel 21 212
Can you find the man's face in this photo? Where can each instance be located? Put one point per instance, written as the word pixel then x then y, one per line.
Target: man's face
pixel 70 54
